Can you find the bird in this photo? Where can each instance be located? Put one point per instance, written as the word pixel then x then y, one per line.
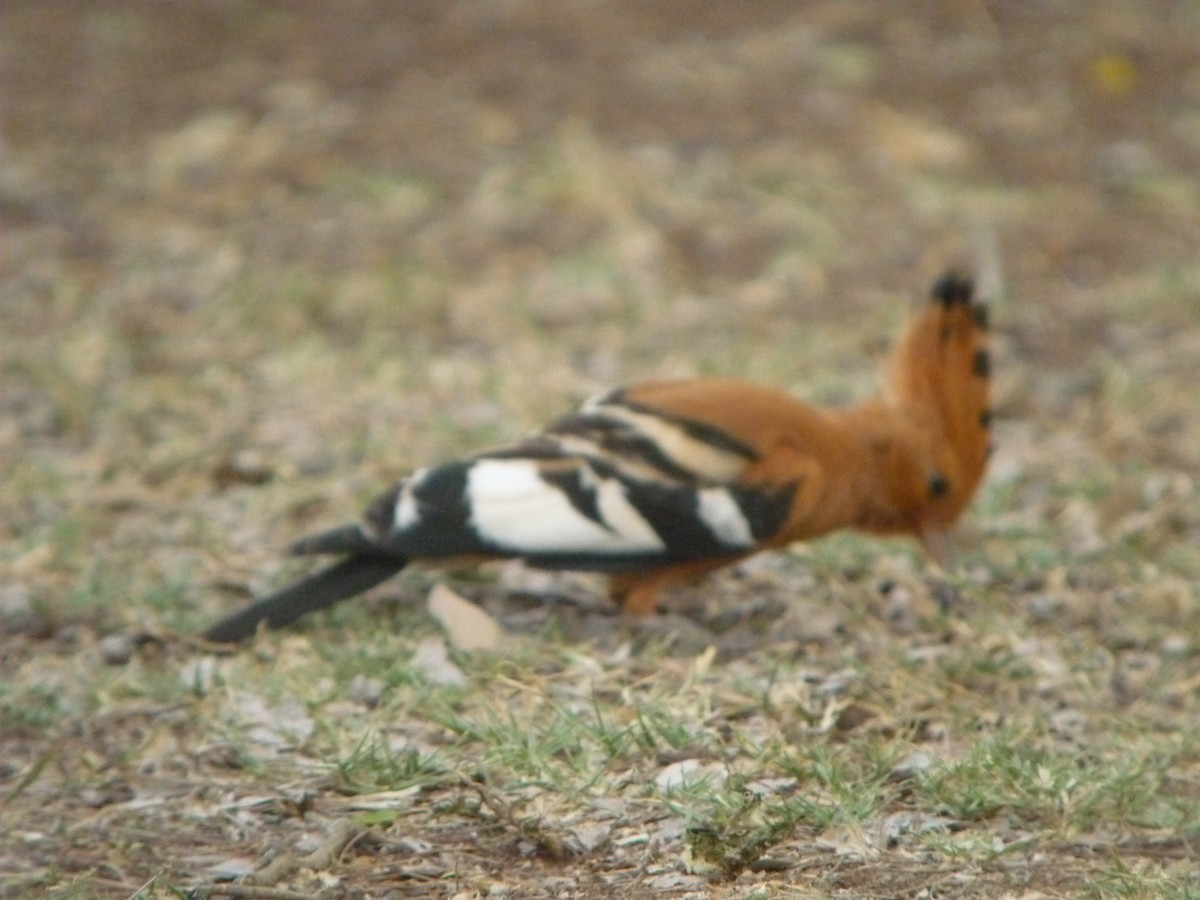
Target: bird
pixel 662 482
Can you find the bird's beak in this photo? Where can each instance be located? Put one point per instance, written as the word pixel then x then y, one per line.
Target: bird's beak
pixel 938 546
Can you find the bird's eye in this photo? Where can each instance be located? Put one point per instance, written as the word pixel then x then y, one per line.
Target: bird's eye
pixel 938 486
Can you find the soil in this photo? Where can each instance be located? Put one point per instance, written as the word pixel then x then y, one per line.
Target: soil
pixel 258 259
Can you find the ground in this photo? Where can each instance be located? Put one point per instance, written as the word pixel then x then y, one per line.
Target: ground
pixel 262 259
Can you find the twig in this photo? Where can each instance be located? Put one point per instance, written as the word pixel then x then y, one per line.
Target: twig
pixel 531 827
pixel 258 884
pixel 145 885
pixel 254 891
pixel 35 770
pixel 342 832
pixel 275 871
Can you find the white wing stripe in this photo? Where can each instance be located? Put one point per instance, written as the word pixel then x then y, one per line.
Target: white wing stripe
pixel 406 513
pixel 722 516
pixel 512 507
pixel 623 517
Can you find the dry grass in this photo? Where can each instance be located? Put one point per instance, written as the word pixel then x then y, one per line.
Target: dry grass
pixel 260 261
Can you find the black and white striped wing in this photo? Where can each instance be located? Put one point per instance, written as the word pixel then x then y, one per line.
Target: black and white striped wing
pixel 611 487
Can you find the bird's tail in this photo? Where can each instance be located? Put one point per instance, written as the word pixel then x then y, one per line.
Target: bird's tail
pixel 939 373
pixel 338 582
pixel 344 540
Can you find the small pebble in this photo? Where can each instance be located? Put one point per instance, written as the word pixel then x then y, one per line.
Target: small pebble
pixel 948 598
pixel 15 608
pixel 365 690
pixel 912 765
pixel 1176 645
pixel 1043 607
pixel 18 615
pixel 935 731
pixel 838 683
pixel 93 798
pixel 107 794
pixel 1068 723
pixel 900 615
pixel 116 649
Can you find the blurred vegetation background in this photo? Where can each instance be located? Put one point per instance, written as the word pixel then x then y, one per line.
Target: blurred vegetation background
pixel 260 259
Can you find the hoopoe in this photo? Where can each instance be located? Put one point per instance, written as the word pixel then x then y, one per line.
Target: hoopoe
pixel 663 481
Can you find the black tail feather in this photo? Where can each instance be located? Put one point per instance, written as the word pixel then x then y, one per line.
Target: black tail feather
pixel 329 586
pixel 346 539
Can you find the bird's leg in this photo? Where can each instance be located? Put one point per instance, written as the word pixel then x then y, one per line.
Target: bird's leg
pixel 637 593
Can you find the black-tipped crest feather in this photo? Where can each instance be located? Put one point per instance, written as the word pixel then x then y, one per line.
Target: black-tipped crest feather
pixel 953 288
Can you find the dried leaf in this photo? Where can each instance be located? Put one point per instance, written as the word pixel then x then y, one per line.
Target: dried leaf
pixel 466 625
pixel 591 836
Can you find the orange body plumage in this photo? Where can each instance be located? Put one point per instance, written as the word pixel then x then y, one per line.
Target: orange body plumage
pixel 663 481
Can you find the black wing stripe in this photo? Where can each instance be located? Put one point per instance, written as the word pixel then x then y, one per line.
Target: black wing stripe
pixel 766 509
pixel 539 446
pixel 620 441
pixel 581 496
pixel 700 431
pixel 673 512
pixel 442 526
